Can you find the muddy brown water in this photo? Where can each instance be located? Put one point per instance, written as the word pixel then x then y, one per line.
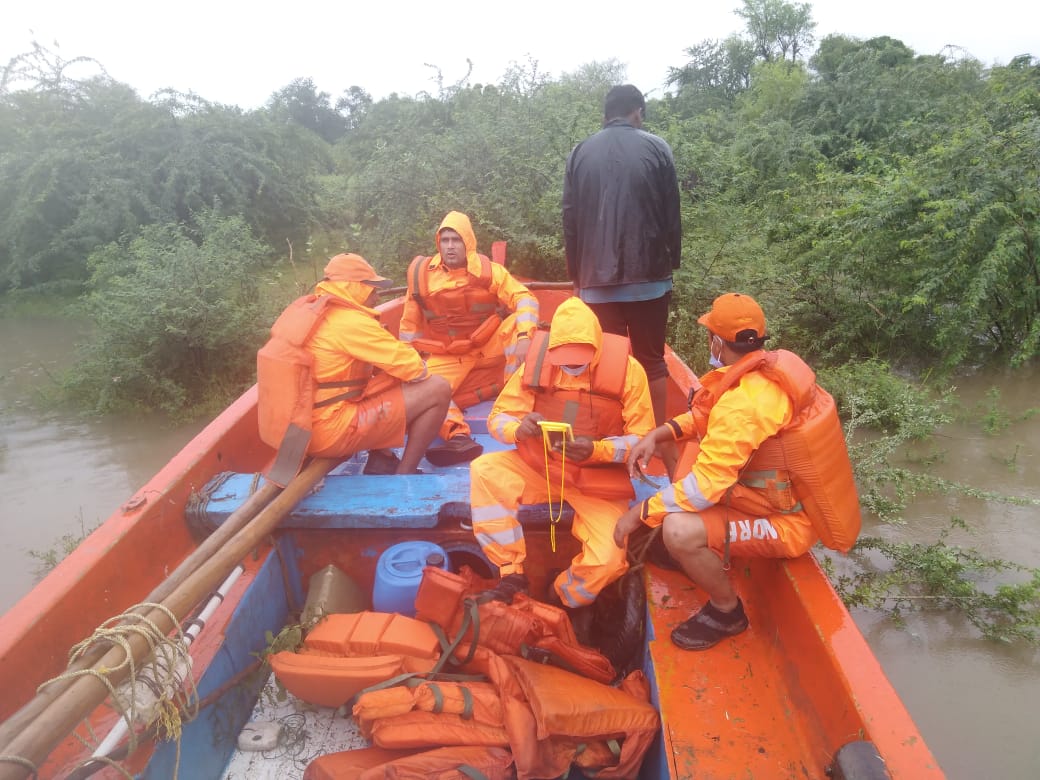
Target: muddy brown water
pixel 974 700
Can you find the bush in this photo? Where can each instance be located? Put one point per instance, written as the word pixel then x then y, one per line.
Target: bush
pixel 178 318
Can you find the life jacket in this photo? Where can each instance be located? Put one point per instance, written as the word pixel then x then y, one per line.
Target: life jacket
pixel 525 627
pixel 375 763
pixel 811 448
pixel 346 653
pixel 455 321
pixel 287 392
pixel 596 412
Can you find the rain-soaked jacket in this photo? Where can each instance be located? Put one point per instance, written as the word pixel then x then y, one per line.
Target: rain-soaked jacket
pixel 575 323
pixel 345 348
pixel 452 311
pixel 764 423
pixel 621 208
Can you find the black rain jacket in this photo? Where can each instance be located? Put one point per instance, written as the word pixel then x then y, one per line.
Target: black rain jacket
pixel 621 208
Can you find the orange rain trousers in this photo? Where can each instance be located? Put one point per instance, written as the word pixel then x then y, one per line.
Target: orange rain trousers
pixel 499 350
pixel 498 482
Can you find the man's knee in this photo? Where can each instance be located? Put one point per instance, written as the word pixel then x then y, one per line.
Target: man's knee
pixel 433 391
pixel 684 533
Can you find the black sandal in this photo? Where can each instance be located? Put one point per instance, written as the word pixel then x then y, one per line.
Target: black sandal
pixel 709 626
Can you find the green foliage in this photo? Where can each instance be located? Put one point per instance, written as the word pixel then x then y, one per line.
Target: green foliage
pixel 178 321
pixel 882 413
pixel 86 162
pixel 940 576
pixel 51 557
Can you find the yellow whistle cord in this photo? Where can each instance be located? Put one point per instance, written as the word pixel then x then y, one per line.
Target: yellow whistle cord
pixel 548 487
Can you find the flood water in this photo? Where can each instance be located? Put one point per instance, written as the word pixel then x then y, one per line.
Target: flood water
pixel 974 700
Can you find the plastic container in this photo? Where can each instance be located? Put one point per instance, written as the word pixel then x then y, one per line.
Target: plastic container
pixel 331 591
pixel 399 572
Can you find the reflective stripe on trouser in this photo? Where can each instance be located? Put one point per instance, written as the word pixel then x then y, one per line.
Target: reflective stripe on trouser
pixel 456 368
pixel 497 482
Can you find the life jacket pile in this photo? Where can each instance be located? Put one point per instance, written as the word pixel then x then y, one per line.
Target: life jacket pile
pixel 523 698
pixel 810 449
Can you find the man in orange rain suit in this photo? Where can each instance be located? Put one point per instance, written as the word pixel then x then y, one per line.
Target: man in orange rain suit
pixel 736 493
pixel 574 373
pixel 454 315
pixel 353 407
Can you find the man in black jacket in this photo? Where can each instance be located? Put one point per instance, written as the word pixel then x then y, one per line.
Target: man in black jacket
pixel 622 232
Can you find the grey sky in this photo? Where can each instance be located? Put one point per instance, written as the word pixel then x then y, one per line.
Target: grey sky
pixel 235 52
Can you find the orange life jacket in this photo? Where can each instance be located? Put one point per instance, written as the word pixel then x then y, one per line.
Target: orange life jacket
pixel 596 412
pixel 455 321
pixel 287 392
pixel 346 653
pixel 451 763
pixel 811 448
pixel 542 631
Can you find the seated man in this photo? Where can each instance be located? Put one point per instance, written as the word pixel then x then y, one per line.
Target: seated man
pixel 454 314
pixel 319 390
pixel 771 474
pixel 577 374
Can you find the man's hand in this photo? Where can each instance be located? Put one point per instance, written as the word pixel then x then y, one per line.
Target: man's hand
pixel 577 450
pixel 523 344
pixel 626 524
pixel 529 426
pixel 640 454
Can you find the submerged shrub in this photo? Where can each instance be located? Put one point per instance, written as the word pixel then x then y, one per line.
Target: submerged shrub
pixel 178 318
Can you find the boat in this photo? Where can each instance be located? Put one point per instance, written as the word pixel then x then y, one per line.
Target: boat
pixel 228 555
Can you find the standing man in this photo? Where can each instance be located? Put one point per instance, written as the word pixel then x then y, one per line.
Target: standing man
pixel 472 320
pixel 574 374
pixel 332 381
pixel 769 475
pixel 622 232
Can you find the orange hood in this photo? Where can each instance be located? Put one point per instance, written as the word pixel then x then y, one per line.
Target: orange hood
pixel 575 323
pixel 355 292
pixel 459 222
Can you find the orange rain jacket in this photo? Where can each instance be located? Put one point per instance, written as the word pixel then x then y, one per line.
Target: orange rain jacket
pixel 764 423
pixel 578 324
pixel 459 310
pixel 347 338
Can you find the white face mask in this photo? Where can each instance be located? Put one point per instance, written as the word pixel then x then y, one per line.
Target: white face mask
pixel 715 361
pixel 574 370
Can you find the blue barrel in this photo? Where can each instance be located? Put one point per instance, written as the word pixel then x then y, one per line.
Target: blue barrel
pixel 399 572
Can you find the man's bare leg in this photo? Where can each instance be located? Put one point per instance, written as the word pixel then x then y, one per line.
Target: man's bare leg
pixel 687 540
pixel 426 404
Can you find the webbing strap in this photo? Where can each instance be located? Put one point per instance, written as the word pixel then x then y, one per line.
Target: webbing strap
pixel 471 617
pixel 357 385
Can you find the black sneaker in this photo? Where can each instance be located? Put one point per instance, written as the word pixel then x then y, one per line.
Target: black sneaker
pixel 381 462
pixel 709 626
pixel 506 588
pixel 458 449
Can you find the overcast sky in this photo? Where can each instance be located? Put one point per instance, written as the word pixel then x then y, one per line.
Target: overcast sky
pixel 235 52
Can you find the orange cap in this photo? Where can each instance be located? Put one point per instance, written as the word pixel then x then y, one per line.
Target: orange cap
pixel 575 354
pixel 354 268
pixel 733 313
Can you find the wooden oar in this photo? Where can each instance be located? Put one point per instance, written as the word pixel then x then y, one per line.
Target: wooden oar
pixel 249 509
pixel 60 716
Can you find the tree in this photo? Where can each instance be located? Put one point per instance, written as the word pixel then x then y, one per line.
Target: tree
pixel 715 74
pixel 301 102
pixel 778 30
